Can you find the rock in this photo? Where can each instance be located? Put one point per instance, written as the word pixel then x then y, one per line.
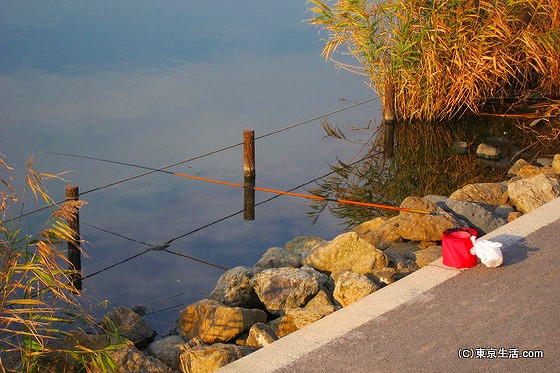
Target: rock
pixel 213 322
pixel 486 151
pixel 503 211
pixel 261 335
pixel 168 350
pixel 367 226
pixel 528 194
pixel 350 287
pixel 294 319
pixel 283 325
pixel 283 288
pixel 529 171
pixel 130 326
pixel 459 147
pixel 346 252
pixel 130 359
pixel 478 216
pixel 206 359
pixel 425 256
pixel 385 235
pixel 277 257
pixel 514 215
pixel 233 289
pixel 518 165
pixel 302 244
pixel 556 164
pixel 423 227
pixel 544 162
pixel 488 193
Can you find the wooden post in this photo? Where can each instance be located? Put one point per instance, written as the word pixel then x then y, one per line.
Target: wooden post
pixel 249 174
pixel 389 119
pixel 74 253
pixel 249 152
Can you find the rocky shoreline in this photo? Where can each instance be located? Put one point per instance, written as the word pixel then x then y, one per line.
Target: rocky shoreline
pixel 296 285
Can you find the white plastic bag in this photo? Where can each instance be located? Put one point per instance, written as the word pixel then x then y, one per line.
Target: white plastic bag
pixel 488 252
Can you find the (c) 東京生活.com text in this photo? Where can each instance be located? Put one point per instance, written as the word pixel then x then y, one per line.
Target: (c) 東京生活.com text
pixel 499 353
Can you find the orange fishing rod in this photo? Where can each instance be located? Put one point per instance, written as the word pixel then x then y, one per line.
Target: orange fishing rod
pixel 266 190
pixel 301 195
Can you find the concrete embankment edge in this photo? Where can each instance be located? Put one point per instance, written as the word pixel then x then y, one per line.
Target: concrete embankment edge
pixel 409 289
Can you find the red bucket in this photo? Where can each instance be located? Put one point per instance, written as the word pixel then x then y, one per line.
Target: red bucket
pixel 456 247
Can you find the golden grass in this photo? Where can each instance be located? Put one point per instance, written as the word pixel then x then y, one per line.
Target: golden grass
pixel 447 57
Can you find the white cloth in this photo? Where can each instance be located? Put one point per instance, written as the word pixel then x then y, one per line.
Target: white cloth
pixel 488 252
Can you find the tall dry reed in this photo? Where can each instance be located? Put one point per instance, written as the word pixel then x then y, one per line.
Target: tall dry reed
pixel 446 57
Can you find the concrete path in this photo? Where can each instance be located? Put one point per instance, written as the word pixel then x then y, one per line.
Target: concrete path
pixel 442 319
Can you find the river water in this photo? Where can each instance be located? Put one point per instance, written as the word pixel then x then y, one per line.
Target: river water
pixel 153 83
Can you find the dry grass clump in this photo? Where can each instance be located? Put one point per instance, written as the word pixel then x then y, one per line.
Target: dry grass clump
pixel 39 313
pixel 447 57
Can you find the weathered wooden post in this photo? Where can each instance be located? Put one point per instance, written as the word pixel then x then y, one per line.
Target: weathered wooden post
pixel 74 253
pixel 249 174
pixel 389 119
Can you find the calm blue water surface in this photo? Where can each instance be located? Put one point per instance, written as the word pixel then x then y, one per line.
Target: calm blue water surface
pixel 155 82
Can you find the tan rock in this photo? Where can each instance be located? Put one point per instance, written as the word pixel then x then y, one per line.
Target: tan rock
pixel 556 164
pixel 261 335
pixel 369 225
pixel 213 322
pixel 346 252
pixel 425 256
pixel 529 171
pixel 207 359
pixel 302 244
pixel 350 287
pixel 530 193
pixel 424 227
pixel 488 193
pixel 385 235
pixel 518 165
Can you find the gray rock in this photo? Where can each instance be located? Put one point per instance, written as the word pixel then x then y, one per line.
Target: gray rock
pixel 130 359
pixel 529 193
pixel 130 326
pixel 168 350
pixel 302 244
pixel 475 215
pixel 425 256
pixel 277 257
pixel 283 288
pixel 233 289
pixel 346 252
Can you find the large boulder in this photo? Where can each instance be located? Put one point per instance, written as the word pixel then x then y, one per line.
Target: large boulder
pixel 277 257
pixel 207 359
pixel 530 193
pixel 350 287
pixel 424 227
pixel 346 252
pixel 130 325
pixel 476 215
pixel 233 289
pixel 487 193
pixel 283 288
pixel 214 322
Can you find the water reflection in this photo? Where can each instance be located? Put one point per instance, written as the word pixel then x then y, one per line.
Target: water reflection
pixel 152 83
pixel 423 163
